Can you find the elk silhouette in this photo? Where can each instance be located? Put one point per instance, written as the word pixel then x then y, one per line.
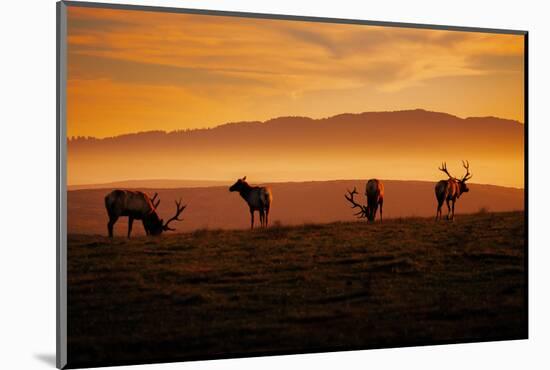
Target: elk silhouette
pixel 137 205
pixel 258 198
pixel 450 190
pixel 374 192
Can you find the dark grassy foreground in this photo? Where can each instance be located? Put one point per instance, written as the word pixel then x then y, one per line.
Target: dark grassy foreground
pixel 297 289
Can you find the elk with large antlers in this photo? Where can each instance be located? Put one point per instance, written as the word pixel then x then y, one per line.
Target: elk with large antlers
pixel 362 209
pixel 450 190
pixel 258 198
pixel 375 197
pixel 137 205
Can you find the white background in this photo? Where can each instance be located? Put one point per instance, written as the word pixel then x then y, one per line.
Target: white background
pixel 27 203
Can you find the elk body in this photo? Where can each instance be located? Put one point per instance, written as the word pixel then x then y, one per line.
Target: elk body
pixel 137 205
pixel 258 198
pixel 450 190
pixel 374 192
pixel 375 197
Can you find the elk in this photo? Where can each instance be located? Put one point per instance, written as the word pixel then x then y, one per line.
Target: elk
pixel 374 192
pixel 363 210
pixel 137 205
pixel 450 190
pixel 258 198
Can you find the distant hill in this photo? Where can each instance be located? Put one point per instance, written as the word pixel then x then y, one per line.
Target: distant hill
pixel 394 145
pixel 294 203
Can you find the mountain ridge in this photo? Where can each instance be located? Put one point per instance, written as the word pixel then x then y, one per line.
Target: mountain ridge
pixel 280 119
pixel 407 144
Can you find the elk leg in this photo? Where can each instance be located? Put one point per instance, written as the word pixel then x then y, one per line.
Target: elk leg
pixel 453 216
pixel 145 227
pixel 110 225
pixel 266 216
pixel 438 212
pixel 381 204
pixel 261 218
pixel 251 219
pixel 449 209
pixel 130 223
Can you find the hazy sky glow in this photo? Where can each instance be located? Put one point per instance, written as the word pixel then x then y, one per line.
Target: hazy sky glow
pixel 137 71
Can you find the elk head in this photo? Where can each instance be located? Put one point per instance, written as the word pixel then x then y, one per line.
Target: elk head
pixel 462 187
pixel 239 185
pixel 363 210
pixel 466 177
pixel 157 225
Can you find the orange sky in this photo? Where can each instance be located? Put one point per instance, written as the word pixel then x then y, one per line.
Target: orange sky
pixel 136 71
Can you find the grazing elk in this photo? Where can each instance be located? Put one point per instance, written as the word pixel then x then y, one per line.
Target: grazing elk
pixel 375 197
pixel 363 210
pixel 258 199
pixel 138 206
pixel 450 190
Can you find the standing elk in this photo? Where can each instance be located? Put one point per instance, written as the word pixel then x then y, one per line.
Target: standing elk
pixel 137 205
pixel 450 190
pixel 258 198
pixel 374 192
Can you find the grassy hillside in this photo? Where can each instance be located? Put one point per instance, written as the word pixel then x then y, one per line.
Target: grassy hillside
pixel 214 293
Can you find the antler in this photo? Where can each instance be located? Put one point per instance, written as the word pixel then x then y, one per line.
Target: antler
pixel 155 205
pixel 444 169
pixel 363 210
pixel 179 210
pixel 468 175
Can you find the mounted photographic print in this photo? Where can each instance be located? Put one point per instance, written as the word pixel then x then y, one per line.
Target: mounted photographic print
pixel 236 185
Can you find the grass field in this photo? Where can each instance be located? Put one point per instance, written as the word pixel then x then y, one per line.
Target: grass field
pixel 217 293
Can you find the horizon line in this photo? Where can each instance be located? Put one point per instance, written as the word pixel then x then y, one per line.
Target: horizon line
pixel 97 186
